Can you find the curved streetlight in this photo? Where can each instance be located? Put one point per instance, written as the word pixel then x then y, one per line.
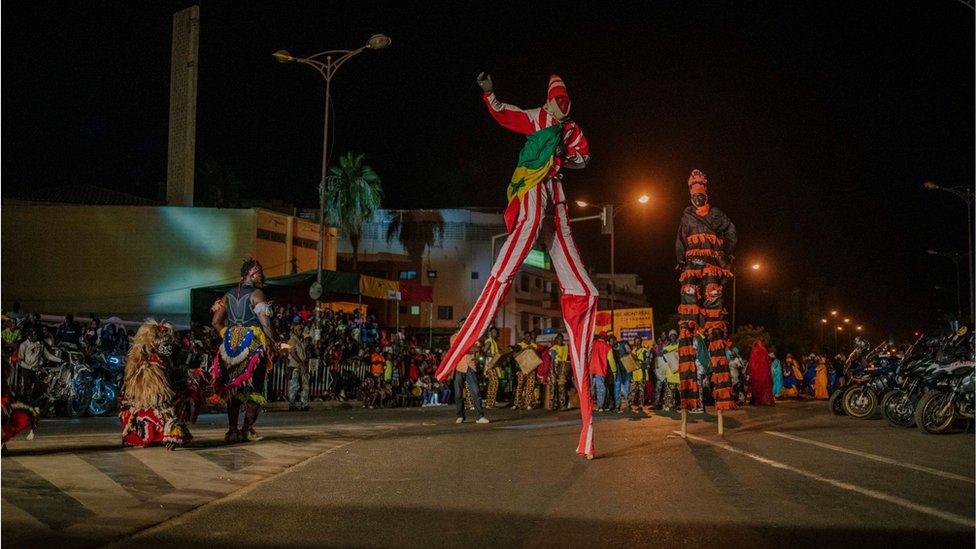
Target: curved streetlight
pixel 608 213
pixel 327 63
pixel 964 192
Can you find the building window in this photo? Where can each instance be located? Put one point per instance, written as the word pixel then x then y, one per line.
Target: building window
pixel 445 312
pixel 415 309
pixel 525 283
pixel 407 275
pixel 431 274
pixel 474 275
pixel 538 282
pixel 404 309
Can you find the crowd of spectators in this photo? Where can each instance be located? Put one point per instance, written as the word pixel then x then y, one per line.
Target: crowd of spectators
pixel 347 356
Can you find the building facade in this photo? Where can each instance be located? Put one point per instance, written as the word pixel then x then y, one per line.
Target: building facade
pixel 630 291
pixel 139 261
pixel 451 250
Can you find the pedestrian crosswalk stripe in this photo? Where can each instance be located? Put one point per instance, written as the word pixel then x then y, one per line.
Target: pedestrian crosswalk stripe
pixel 182 469
pixel 82 481
pixel 36 496
pixel 130 473
pixel 231 458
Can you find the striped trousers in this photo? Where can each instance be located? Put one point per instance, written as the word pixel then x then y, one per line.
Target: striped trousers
pixel 524 217
pixel 701 308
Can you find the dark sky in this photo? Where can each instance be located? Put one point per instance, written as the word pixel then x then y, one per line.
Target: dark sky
pixel 816 122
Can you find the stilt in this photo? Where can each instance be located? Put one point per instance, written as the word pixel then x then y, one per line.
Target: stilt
pixel 684 423
pixel 721 424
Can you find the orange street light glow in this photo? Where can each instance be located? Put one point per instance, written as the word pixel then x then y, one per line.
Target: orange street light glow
pixel 840 328
pixel 581 203
pixel 847 321
pixel 644 199
pixel 755 266
pixel 824 320
pixel 833 313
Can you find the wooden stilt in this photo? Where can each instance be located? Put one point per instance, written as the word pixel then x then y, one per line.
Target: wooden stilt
pixel 684 423
pixel 721 424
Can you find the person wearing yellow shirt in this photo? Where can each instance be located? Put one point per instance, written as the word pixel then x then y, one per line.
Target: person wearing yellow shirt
pixel 524 395
pixel 666 372
pixel 640 354
pixel 490 350
pixel 560 361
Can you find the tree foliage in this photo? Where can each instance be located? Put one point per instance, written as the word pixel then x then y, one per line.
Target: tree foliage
pixel 354 194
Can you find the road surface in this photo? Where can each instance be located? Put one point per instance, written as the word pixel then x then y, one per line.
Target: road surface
pixel 788 475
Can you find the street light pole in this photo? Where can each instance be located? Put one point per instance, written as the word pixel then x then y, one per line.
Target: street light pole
pixel 964 192
pixel 608 215
pixel 954 256
pixel 333 60
pixel 734 277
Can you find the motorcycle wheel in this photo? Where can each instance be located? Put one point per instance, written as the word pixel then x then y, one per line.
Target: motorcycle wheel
pixel 78 403
pixel 898 408
pixel 860 402
pixel 103 403
pixel 931 415
pixel 836 402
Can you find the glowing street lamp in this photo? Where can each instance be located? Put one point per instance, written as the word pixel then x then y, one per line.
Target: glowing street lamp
pixel 608 213
pixel 847 321
pixel 833 313
pixel 327 63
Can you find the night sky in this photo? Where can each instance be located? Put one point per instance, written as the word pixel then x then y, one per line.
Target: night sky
pixel 816 124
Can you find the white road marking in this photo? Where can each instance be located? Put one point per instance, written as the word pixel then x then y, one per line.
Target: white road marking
pixel 882 459
pixel 901 502
pixel 82 481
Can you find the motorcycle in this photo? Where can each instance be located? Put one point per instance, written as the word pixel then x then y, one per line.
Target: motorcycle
pixel 899 403
pixel 950 397
pixel 854 366
pixel 106 378
pixel 79 384
pixel 869 379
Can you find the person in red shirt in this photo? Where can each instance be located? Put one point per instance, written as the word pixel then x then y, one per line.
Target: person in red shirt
pixel 598 369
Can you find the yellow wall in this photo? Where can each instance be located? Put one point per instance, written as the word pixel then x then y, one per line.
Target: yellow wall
pixel 133 261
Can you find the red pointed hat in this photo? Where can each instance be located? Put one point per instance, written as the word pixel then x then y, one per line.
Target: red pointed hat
pixel 697 182
pixel 556 88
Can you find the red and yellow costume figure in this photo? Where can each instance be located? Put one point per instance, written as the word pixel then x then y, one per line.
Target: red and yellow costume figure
pixel 706 240
pixel 554 141
pixel 147 413
pixel 241 363
pixel 17 415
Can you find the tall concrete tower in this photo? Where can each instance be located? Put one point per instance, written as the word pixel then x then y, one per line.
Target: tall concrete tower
pixel 183 107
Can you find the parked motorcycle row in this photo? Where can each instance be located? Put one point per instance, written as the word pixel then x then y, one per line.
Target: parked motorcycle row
pixel 70 382
pixel 930 386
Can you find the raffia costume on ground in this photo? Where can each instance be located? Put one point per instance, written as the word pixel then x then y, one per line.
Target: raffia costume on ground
pixel 151 410
pixel 553 142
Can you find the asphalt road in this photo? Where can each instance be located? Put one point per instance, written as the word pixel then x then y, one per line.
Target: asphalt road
pixel 789 475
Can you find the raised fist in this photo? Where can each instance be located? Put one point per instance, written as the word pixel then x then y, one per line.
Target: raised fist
pixel 484 80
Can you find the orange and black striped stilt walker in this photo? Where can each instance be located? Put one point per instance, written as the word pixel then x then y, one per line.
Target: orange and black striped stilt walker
pixel 706 240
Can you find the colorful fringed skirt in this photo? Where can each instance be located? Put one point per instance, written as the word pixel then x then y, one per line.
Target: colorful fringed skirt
pixel 238 362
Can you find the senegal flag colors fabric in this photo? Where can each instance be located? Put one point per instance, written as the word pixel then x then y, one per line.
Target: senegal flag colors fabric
pixel 535 160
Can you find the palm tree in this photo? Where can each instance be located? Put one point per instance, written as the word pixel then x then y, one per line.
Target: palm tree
pixel 415 230
pixel 354 193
